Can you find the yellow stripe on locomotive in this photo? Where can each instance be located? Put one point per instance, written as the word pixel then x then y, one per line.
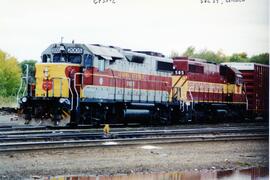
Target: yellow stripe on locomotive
pixel 183 89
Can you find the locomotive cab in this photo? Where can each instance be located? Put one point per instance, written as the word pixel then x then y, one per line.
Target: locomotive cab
pixel 54 77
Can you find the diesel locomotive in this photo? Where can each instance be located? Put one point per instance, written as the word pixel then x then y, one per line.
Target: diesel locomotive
pixel 98 84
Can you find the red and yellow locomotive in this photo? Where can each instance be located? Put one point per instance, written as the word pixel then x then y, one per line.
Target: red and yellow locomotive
pixel 213 91
pixel 98 84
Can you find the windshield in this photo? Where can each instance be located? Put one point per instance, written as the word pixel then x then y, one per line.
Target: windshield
pixel 72 58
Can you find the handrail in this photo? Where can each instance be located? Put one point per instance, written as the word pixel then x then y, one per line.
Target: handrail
pixel 161 96
pixel 191 96
pixel 26 79
pixel 114 84
pixel 176 92
pixel 183 105
pixel 140 91
pixel 132 89
pixel 245 90
pixel 155 87
pixel 124 89
pixel 18 93
pixel 69 87
pixel 75 84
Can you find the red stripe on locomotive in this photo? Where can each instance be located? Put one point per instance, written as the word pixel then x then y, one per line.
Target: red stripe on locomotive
pixel 119 79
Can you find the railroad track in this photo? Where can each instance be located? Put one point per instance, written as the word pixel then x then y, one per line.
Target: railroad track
pixel 122 142
pixel 93 134
pixel 15 141
pixel 26 128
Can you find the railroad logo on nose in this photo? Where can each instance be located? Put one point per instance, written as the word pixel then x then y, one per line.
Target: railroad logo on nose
pixel 47 85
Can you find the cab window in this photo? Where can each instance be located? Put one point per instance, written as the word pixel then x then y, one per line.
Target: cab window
pixel 101 64
pixel 71 58
pixel 46 58
pixel 59 58
pixel 75 58
pixel 164 66
pixel 88 60
pixel 238 79
pixel 195 68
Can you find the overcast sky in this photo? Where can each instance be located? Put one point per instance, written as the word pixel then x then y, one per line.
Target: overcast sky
pixel 27 27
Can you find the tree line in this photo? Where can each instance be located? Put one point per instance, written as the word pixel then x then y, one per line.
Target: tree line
pixel 11 70
pixel 219 56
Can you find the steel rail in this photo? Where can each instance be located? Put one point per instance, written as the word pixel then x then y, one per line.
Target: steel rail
pixel 137 130
pixel 50 133
pixel 128 141
pixel 128 134
pixel 120 126
pixel 27 128
pixel 124 131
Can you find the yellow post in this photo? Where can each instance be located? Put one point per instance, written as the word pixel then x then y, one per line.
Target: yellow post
pixel 106 129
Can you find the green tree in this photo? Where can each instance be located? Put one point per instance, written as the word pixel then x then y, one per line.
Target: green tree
pixel 239 57
pixel 211 56
pixel 261 58
pixel 206 54
pixel 10 73
pixel 219 56
pixel 189 51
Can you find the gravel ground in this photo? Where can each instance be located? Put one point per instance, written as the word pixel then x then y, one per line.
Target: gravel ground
pixel 132 159
pixel 8 119
pixel 13 119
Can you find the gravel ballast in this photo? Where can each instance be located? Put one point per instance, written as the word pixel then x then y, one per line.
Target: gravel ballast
pixel 131 159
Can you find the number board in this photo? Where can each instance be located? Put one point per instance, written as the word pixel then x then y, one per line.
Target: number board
pixel 74 50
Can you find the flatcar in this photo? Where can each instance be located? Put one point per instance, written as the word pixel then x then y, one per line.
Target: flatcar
pixel 98 84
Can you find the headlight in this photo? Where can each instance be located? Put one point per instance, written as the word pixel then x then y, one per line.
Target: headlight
pixel 64 100
pixel 24 99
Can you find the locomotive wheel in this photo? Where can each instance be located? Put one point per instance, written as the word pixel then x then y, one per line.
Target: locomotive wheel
pixel 96 115
pixel 165 117
pixel 89 118
pixel 162 116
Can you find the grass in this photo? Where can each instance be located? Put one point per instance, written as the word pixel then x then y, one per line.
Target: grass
pixel 8 101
